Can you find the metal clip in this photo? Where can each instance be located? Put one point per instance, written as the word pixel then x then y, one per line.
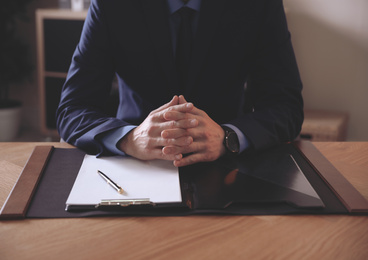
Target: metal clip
pixel 125 203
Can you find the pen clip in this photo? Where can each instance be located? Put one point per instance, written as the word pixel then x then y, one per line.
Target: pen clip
pixel 125 202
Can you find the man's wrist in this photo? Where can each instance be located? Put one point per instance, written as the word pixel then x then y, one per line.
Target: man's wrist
pixel 123 143
pixel 112 139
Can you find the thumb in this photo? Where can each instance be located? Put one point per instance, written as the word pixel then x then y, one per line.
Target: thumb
pixel 182 100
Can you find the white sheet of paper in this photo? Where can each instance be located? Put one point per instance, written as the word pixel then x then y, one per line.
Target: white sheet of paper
pixel 157 180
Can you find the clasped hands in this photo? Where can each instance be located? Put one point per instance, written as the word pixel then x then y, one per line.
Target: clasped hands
pixel 176 131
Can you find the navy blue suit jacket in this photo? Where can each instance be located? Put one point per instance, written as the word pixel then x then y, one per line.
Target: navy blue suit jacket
pixel 237 42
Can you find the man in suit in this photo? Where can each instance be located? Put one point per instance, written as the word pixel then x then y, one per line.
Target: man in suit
pixel 242 80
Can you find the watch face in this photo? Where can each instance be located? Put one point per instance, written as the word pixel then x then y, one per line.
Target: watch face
pixel 232 142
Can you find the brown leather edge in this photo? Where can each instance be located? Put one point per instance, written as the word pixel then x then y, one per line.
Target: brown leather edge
pixel 353 201
pixel 16 205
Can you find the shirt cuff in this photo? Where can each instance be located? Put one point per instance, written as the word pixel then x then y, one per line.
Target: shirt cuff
pixel 110 139
pixel 243 140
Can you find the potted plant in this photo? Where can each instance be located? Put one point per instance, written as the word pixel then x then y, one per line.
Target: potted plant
pixel 15 66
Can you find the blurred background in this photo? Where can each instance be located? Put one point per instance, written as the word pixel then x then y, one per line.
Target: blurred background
pixel 330 39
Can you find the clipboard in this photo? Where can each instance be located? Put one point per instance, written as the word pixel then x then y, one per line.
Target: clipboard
pixel 336 193
pixel 144 183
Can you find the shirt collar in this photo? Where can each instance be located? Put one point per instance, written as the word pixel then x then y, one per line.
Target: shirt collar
pixel 175 5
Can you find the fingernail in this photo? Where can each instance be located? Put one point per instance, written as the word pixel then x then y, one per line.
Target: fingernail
pixel 189 140
pixel 193 122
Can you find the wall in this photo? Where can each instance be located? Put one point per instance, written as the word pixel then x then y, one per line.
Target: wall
pixel 330 39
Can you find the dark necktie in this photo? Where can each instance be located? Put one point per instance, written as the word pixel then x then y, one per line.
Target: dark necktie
pixel 184 46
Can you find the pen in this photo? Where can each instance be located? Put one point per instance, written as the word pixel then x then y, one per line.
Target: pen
pixel 111 182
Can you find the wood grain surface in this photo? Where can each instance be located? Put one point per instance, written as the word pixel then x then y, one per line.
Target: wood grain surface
pixel 192 237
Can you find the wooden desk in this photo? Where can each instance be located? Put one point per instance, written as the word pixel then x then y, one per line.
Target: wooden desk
pixel 192 237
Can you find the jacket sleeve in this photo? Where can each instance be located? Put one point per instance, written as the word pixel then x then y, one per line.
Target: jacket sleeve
pixel 274 85
pixel 81 115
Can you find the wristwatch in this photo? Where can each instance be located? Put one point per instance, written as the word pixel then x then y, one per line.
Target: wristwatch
pixel 231 141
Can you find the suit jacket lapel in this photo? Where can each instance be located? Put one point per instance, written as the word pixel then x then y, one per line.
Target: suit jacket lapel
pixel 158 25
pixel 210 15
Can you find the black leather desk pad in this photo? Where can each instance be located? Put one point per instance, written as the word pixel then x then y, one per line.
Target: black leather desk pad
pixel 205 188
